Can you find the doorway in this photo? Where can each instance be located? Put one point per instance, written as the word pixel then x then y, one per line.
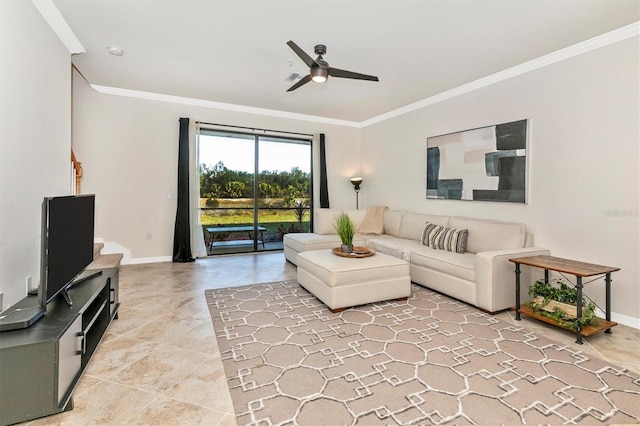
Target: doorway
pixel 254 189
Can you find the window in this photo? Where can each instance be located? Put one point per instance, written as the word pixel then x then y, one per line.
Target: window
pixel 242 213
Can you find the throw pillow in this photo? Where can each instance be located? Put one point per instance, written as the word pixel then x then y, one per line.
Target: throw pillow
pixel 324 220
pixel 392 220
pixel 441 238
pixel 373 223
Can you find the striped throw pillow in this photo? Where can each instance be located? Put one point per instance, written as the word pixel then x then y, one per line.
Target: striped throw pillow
pixel 441 238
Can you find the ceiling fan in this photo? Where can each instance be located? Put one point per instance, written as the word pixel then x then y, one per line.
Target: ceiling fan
pixel 319 69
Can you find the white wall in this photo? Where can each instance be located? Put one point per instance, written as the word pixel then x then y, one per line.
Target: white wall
pixel 35 138
pixel 583 161
pixel 129 152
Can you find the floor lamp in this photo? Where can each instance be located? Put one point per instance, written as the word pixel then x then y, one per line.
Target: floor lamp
pixel 356 181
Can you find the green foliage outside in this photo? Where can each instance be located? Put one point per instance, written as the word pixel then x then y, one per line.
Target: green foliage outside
pixel 217 182
pixel 226 199
pixel 239 215
pixel 276 222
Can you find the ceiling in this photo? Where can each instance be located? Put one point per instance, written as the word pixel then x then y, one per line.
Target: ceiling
pixel 235 52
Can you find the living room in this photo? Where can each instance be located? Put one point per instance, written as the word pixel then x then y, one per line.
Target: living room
pixel 583 184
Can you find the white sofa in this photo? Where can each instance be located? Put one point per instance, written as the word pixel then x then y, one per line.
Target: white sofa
pixel 325 236
pixel 482 276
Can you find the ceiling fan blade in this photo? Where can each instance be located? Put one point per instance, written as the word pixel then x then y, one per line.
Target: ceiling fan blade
pixel 335 72
pixel 304 80
pixel 301 53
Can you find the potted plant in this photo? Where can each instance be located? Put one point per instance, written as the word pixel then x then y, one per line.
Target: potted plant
pixel 559 302
pixel 345 229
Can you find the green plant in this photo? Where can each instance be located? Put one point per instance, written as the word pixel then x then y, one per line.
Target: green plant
pixel 345 228
pixel 563 293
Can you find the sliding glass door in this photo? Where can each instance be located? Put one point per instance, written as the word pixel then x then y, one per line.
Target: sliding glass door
pixel 253 190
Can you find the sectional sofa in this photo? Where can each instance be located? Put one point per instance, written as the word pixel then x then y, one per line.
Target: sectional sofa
pixel 482 275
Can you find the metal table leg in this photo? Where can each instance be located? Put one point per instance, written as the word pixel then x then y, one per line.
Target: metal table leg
pixel 518 291
pixel 579 310
pixel 607 281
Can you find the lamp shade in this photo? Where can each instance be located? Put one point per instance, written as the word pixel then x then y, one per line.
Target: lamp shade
pixel 356 181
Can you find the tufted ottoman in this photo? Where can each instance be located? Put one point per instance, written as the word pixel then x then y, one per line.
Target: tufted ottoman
pixel 341 282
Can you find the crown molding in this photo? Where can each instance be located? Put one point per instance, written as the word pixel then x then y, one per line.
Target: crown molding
pixel 59 25
pixel 219 105
pixel 603 40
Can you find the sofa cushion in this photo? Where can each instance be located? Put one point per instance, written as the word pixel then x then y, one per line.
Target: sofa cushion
pixel 357 216
pixel 441 238
pixel 491 235
pixel 458 265
pixel 308 241
pixel 392 220
pixel 393 246
pixel 412 224
pixel 324 220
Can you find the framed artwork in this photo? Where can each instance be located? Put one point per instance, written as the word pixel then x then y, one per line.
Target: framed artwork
pixel 484 164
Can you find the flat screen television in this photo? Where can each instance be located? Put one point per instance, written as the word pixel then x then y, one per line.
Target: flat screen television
pixel 67 243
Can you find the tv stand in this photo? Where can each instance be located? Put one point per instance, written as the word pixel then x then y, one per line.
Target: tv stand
pixel 67 298
pixel 41 365
pixel 85 275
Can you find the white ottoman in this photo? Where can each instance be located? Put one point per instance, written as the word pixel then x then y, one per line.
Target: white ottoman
pixel 340 282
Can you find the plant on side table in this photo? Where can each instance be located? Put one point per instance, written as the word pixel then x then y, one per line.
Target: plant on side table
pixel 558 302
pixel 345 229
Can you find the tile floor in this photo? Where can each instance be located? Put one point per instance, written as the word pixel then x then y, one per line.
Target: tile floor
pixel 159 362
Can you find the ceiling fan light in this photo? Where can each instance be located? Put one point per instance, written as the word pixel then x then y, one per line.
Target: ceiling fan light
pixel 319 75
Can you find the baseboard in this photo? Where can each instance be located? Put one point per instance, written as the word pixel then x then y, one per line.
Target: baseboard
pixel 621 319
pixel 140 260
pixel 626 320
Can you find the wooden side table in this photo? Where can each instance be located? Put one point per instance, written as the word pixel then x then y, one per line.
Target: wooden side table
pixel 579 270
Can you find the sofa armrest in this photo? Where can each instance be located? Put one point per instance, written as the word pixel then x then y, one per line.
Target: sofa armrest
pixel 495 277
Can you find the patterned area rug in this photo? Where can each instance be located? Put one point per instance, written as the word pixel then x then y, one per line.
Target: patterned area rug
pixel 429 360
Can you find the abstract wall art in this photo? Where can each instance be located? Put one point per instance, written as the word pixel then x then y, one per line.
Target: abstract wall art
pixel 484 164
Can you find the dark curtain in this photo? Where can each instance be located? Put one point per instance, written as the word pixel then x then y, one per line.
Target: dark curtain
pixel 324 188
pixel 182 231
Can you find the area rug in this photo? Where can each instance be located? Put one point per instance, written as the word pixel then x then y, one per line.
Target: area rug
pixel 429 360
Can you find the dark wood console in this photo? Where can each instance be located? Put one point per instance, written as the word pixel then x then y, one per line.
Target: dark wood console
pixel 41 365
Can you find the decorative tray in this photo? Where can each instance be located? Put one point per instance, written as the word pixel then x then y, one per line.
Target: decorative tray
pixel 358 252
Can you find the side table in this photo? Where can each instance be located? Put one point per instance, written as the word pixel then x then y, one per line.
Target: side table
pixel 579 270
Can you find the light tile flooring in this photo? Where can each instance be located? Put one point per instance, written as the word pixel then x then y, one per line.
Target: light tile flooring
pixel 159 363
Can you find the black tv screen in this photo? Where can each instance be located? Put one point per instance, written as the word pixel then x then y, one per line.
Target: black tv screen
pixel 67 242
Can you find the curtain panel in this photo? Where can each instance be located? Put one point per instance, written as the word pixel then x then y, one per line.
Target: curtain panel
pixel 324 188
pixel 182 230
pixel 198 247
